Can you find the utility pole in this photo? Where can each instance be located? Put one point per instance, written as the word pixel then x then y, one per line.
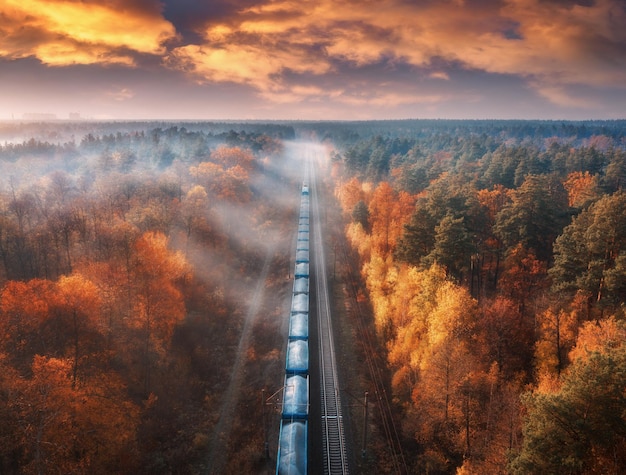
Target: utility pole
pixel 266 401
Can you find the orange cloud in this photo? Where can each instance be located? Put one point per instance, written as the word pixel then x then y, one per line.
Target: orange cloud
pixel 63 32
pixel 550 44
pixel 286 48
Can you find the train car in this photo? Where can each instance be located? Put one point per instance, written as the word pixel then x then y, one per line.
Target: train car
pixel 296 397
pixel 305 189
pixel 302 255
pixel 297 361
pixel 300 303
pixel 303 236
pixel 303 228
pixel 299 326
pixel 301 270
pixel 292 448
pixel 302 245
pixel 301 285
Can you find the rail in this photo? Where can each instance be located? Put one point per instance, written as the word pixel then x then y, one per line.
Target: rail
pixel 333 438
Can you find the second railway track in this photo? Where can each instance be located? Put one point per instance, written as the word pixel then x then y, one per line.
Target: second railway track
pixel 335 460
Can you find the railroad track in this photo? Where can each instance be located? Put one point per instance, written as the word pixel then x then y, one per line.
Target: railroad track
pixel 333 438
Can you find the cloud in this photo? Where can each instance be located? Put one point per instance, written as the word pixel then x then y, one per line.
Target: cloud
pixel 382 53
pixel 439 75
pixel 120 94
pixel 551 44
pixel 64 32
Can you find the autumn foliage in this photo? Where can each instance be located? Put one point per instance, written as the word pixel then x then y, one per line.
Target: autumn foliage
pixel 113 313
pixel 490 285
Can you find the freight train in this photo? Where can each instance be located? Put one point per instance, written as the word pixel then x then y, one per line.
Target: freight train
pixel 293 436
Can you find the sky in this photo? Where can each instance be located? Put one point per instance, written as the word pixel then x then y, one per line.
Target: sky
pixel 313 59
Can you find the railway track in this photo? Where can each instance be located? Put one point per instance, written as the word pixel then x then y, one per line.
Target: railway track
pixel 335 458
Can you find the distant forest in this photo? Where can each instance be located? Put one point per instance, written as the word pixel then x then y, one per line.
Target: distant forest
pixel 492 255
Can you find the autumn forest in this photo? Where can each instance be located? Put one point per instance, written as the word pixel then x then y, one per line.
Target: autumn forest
pixel 490 257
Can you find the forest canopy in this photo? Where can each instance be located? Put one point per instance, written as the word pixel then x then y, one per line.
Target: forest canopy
pixel 492 256
pixel 498 253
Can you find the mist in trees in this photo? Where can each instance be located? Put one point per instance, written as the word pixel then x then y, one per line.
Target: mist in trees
pixel 491 252
pixel 124 254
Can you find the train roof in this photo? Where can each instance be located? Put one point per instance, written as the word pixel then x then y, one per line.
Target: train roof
pixel 301 285
pixel 299 325
pixel 292 448
pixel 300 303
pixel 297 356
pixel 296 397
pixel 302 269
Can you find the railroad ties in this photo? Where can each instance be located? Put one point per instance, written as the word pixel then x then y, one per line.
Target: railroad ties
pixel 293 438
pixel 335 457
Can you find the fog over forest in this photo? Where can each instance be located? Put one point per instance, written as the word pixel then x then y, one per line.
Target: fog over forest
pixel 488 258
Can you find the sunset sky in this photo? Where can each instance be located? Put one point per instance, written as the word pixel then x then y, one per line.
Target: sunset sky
pixel 320 59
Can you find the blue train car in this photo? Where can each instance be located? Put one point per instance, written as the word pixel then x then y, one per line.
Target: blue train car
pixel 303 236
pixel 299 326
pixel 296 397
pixel 300 303
pixel 297 361
pixel 302 255
pixel 302 270
pixel 303 228
pixel 292 448
pixel 301 285
pixel 302 245
pixel 305 189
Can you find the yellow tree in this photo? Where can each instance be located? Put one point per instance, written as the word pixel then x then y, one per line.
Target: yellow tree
pixel 230 157
pixel 67 429
pixel 582 188
pixel 158 303
pixel 557 335
pixel 235 185
pixel 194 209
pixel 381 209
pixel 209 175
pixel 25 307
pixel 349 194
pixel 77 302
pixel 451 379
pixel 411 304
pixel 360 240
pixel 112 282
